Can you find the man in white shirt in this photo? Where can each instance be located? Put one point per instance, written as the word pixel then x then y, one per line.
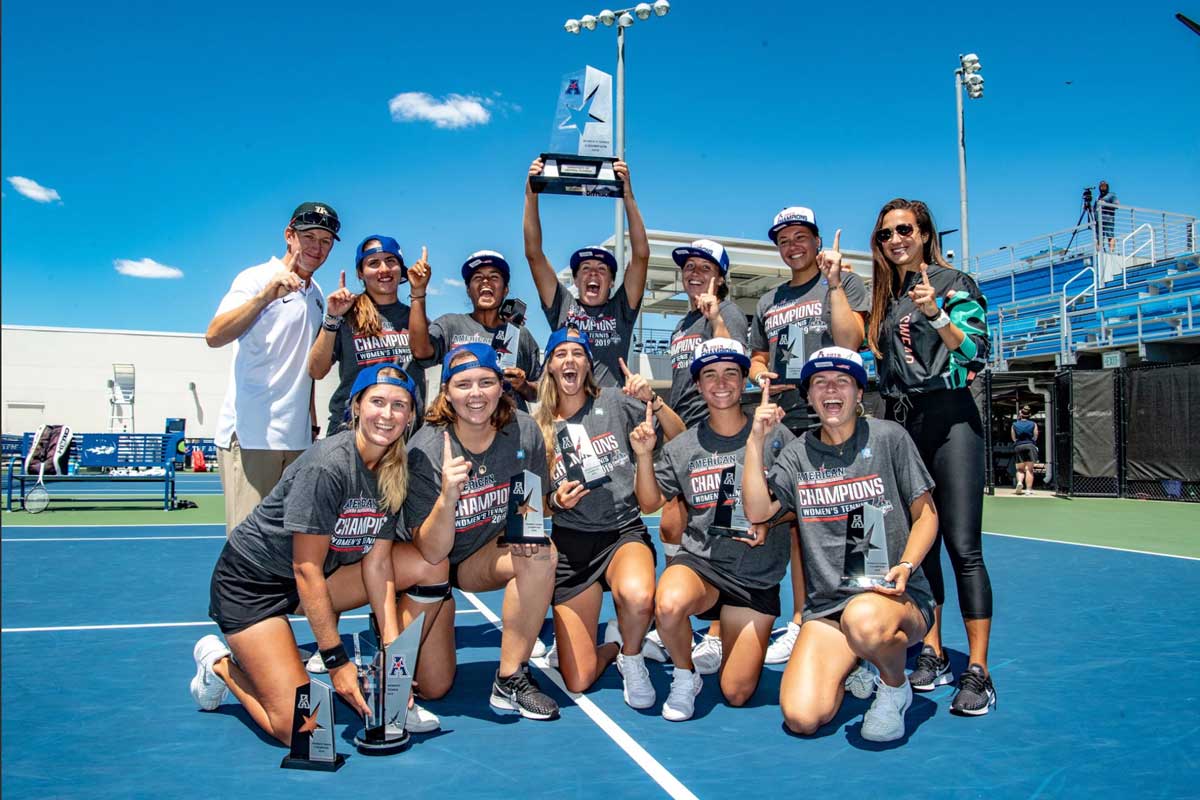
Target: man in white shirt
pixel 271 313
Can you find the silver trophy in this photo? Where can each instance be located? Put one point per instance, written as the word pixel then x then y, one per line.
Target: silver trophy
pixel 386 677
pixel 866 563
pixel 581 158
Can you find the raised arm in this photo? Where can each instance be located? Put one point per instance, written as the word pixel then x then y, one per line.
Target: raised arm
pixel 228 325
pixel 543 273
pixel 645 486
pixel 847 325
pixel 756 497
pixel 639 256
pixel 418 321
pixel 320 355
pixel 434 537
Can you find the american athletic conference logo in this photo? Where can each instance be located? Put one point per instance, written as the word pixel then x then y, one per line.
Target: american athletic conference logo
pixel 573 87
pixel 399 667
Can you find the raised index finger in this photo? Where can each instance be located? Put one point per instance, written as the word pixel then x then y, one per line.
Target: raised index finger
pixel 925 276
pixel 837 241
pixel 424 253
pixel 712 285
pixel 766 390
pixel 624 369
pixel 447 453
pixel 650 414
pixel 342 280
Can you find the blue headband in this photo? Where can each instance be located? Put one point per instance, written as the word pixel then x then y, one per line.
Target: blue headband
pixel 485 357
pixel 568 334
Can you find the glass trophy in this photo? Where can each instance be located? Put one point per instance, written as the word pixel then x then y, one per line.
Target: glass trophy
pixel 789 353
pixel 505 342
pixel 386 676
pixel 526 520
pixel 579 456
pixel 866 563
pixel 580 160
pixel 729 518
pixel 313 746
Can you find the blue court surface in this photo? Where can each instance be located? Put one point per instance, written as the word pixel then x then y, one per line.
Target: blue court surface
pixel 1094 654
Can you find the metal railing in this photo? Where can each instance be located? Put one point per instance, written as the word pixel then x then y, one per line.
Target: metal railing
pixel 1091 287
pixel 1126 255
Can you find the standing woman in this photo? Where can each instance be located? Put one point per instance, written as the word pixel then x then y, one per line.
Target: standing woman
pixel 601 539
pixel 1024 434
pixel 381 329
pixel 320 543
pixel 929 334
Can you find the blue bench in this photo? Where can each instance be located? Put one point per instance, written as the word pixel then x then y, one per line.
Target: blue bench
pixel 98 454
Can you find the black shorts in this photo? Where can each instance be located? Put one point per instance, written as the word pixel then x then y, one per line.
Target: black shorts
pixel 242 594
pixel 583 556
pixel 729 591
pixel 1026 451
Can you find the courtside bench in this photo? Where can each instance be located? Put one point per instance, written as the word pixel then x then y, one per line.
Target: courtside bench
pixel 97 455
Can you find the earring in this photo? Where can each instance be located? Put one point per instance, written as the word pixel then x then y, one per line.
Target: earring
pixel 861 410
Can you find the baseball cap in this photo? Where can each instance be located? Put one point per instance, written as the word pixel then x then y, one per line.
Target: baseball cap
pixel 566 334
pixel 484 355
pixel 716 350
pixel 386 245
pixel 704 248
pixel 370 376
pixel 834 358
pixel 485 258
pixel 794 215
pixel 596 252
pixel 316 215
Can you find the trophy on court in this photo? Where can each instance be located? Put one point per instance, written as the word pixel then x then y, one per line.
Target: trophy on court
pixel 866 563
pixel 729 518
pixel 789 354
pixel 579 456
pixel 507 340
pixel 581 158
pixel 526 522
pixel 312 730
pixel 386 677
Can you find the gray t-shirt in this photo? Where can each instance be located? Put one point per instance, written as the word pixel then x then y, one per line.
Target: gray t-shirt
pixel 482 511
pixel 608 328
pixel 450 330
pixel 327 491
pixel 353 350
pixel 691 466
pixel 823 483
pixel 693 329
pixel 611 506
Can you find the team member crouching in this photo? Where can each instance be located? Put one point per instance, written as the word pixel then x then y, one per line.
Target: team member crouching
pixel 473 443
pixel 601 540
pixel 320 543
pixel 717 575
pixel 823 476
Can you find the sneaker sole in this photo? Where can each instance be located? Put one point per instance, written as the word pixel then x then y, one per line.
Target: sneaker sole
pixel 777 660
pixel 641 707
pixel 502 705
pixel 940 680
pixel 974 712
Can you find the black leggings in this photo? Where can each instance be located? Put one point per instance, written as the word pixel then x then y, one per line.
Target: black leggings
pixel 946 428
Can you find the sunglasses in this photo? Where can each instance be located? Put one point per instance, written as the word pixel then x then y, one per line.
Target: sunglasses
pixel 885 234
pixel 318 219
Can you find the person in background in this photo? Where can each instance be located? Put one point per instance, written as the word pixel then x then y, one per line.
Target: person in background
pixel 1024 433
pixel 1106 215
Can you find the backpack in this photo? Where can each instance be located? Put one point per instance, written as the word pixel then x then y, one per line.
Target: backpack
pixel 48 452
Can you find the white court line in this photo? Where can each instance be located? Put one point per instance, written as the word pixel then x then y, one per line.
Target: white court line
pixel 106 538
pixel 135 525
pixel 1094 546
pixel 643 759
pixel 141 625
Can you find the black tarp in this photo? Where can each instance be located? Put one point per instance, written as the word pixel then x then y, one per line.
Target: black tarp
pixel 1094 452
pixel 1162 439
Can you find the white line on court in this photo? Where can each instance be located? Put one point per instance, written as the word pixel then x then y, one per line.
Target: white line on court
pixel 136 525
pixel 142 625
pixel 643 759
pixel 106 538
pixel 1094 546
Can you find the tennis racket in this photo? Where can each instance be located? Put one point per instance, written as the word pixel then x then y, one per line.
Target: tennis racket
pixel 38 498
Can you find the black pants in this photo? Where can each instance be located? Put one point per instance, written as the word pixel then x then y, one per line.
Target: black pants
pixel 948 433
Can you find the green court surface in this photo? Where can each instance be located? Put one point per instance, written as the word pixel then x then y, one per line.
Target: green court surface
pixel 66 510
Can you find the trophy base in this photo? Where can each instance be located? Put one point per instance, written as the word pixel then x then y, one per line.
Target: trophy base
pixel 589 176
pixel 308 764
pixel 729 533
pixel 861 582
pixel 504 540
pixel 382 747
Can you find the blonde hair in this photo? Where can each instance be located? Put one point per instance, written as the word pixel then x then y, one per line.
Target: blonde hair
pixel 547 398
pixel 441 410
pixel 391 473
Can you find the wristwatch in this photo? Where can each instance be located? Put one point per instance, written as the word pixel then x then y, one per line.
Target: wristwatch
pixel 940 321
pixel 909 564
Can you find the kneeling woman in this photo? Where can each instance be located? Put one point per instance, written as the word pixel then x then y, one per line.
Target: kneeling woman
pixel 728 570
pixel 601 540
pixel 320 543
pixel 461 466
pixel 826 474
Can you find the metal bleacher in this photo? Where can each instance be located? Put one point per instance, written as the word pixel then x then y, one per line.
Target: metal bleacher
pixel 1072 291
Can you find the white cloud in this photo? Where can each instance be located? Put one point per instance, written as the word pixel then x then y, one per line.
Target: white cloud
pixel 146 268
pixel 453 282
pixel 452 111
pixel 34 190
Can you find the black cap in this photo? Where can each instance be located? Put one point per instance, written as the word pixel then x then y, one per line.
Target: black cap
pixel 316 215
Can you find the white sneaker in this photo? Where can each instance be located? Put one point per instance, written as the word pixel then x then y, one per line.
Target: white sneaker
pixel 421 720
pixel 207 689
pixel 539 649
pixel 315 664
pixel 653 647
pixel 706 656
pixel 780 650
pixel 681 702
pixel 639 692
pixel 884 720
pixel 861 681
pixel 552 654
pixel 612 633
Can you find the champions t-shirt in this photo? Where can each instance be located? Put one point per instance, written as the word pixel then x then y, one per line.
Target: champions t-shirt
pixel 607 419
pixel 482 511
pixel 691 466
pixel 693 329
pixel 328 491
pixel 451 330
pixel 353 350
pixel 608 328
pixel 823 483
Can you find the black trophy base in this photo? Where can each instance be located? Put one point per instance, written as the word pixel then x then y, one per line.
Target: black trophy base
pixel 589 176
pixel 858 583
pixel 381 746
pixel 316 766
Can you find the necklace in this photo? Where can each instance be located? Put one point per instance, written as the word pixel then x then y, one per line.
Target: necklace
pixel 479 465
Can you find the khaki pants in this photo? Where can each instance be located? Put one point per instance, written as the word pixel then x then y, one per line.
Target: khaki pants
pixel 247 476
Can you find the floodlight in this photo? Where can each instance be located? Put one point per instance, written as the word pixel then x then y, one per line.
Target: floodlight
pixel 970 62
pixel 643 10
pixel 588 21
pixel 661 7
pixel 571 26
pixel 607 16
pixel 626 19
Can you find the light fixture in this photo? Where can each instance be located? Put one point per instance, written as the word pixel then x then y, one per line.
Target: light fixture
pixel 643 10
pixel 607 16
pixel 661 7
pixel 571 26
pixel 626 19
pixel 588 21
pixel 970 63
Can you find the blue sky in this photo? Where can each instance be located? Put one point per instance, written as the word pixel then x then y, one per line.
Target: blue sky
pixel 186 133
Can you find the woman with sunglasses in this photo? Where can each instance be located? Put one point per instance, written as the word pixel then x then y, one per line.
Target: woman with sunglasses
pixel 928 331
pixel 381 328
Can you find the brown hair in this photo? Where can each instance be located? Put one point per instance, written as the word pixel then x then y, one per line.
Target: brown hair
pixel 392 470
pixel 548 398
pixel 441 410
pixel 885 276
pixel 364 314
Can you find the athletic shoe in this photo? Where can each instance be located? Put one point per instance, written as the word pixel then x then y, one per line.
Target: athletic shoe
pixel 207 689
pixel 1029 492
pixel 421 720
pixel 861 682
pixel 706 656
pixel 681 702
pixel 653 647
pixel 539 649
pixel 315 664
pixel 884 720
pixel 520 694
pixel 1020 490
pixel 612 633
pixel 639 692
pixel 976 696
pixel 552 654
pixel 931 671
pixel 780 650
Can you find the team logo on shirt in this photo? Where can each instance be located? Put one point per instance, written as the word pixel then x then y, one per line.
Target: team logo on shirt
pixel 389 345
pixel 704 478
pixel 828 495
pixel 358 524
pixel 806 314
pixel 482 502
pixel 601 329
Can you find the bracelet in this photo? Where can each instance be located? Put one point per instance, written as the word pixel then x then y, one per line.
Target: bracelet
pixel 334 657
pixel 331 323
pixel 417 297
pixel 940 321
pixel 657 403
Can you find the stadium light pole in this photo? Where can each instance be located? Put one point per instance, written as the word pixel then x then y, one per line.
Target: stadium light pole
pixel 623 19
pixel 967 75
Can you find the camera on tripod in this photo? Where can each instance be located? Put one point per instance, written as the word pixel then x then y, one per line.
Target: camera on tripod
pixel 1087 197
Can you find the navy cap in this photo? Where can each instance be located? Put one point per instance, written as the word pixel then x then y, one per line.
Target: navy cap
pixel 716 350
pixel 386 245
pixel 568 334
pixel 369 376
pixel 703 248
pixel 834 358
pixel 485 357
pixel 485 258
pixel 598 253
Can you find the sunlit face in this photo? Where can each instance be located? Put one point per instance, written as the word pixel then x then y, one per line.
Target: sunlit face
pixel 381 273
pixel 314 245
pixel 698 273
pixel 720 385
pixel 569 367
pixel 474 394
pixel 486 288
pixel 798 247
pixel 835 397
pixel 904 251
pixel 384 412
pixel 595 281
